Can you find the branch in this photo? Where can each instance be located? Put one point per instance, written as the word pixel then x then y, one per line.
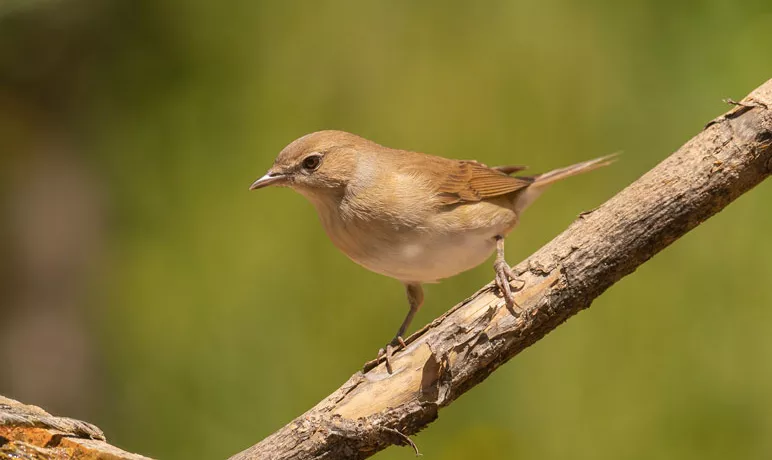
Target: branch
pixel 29 432
pixel 373 409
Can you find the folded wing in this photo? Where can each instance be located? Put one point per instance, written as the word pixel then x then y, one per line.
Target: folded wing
pixel 470 181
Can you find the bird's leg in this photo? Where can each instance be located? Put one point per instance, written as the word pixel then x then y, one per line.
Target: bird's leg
pixel 505 274
pixel 415 296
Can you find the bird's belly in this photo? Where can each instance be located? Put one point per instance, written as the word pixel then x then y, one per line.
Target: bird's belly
pixel 429 247
pixel 430 258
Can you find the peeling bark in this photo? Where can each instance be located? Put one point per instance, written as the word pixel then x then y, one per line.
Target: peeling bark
pixel 30 433
pixel 374 410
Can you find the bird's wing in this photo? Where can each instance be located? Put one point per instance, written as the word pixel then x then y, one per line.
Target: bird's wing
pixel 469 181
pixel 509 169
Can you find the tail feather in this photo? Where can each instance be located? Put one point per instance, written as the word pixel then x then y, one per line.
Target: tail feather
pixel 543 181
pixel 548 178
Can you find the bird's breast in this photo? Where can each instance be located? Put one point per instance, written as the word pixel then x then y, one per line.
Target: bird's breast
pixel 423 245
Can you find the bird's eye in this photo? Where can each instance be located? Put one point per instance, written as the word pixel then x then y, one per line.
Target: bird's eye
pixel 311 162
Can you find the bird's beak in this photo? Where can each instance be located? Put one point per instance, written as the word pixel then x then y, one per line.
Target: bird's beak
pixel 271 178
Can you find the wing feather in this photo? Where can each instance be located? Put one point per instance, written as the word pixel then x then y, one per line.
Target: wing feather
pixel 509 169
pixel 470 181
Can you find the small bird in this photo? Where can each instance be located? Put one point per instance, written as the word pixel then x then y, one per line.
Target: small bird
pixel 411 216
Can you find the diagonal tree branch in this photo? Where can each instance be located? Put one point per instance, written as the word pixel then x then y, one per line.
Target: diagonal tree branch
pixel 373 410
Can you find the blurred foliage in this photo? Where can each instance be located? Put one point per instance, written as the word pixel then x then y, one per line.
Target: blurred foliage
pixel 218 315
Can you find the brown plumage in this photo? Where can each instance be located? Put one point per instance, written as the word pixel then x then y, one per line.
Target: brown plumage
pixel 468 181
pixel 411 216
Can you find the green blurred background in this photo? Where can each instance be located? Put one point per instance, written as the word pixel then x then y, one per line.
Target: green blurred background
pixel 144 289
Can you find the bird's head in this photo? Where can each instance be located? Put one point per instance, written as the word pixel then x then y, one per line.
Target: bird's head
pixel 316 164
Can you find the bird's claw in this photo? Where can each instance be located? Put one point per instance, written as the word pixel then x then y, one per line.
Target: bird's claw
pixel 504 277
pixel 396 344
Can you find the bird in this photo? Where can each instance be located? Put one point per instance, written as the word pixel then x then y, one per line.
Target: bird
pixel 411 216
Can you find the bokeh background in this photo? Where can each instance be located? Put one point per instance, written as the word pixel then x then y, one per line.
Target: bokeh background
pixel 144 289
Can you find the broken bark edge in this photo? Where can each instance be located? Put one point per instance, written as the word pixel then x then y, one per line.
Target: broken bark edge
pixel 29 432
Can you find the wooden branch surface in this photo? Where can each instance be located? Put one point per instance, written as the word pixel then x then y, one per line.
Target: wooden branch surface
pixel 30 433
pixel 373 410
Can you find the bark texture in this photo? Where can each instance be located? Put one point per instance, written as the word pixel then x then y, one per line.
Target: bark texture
pixel 373 409
pixel 30 433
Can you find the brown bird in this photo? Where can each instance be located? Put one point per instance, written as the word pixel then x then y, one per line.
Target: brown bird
pixel 414 217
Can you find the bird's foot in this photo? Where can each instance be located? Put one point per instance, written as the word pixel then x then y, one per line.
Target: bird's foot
pixel 386 353
pixel 505 276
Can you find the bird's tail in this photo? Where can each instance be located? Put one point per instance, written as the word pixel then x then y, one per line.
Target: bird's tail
pixel 543 181
pixel 548 178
